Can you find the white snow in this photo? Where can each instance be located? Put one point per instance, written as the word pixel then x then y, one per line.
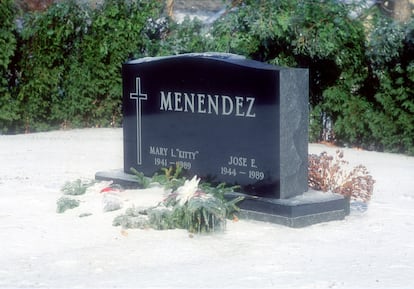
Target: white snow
pixel 371 248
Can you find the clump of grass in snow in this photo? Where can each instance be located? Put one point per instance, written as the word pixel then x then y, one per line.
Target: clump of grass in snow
pixel 65 203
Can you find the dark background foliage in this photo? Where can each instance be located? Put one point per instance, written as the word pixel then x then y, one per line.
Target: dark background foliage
pixel 60 63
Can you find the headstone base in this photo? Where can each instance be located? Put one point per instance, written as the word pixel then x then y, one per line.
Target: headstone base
pixel 127 181
pixel 309 208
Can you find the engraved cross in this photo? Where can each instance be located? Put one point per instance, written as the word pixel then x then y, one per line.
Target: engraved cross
pixel 138 96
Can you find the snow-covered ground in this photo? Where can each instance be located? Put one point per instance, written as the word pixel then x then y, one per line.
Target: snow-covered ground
pixel 40 248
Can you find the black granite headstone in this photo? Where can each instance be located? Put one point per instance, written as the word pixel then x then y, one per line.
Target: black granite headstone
pixel 221 117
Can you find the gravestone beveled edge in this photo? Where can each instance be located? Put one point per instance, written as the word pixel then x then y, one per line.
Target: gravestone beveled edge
pixel 310 208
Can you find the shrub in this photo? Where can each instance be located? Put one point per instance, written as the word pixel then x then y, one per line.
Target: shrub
pixel 71 62
pixel 316 35
pixel 360 75
pixel 392 63
pixel 49 40
pixel 116 33
pixel 186 37
pixel 9 110
pixel 63 68
pixel 327 173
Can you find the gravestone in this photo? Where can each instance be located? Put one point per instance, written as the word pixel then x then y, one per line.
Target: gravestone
pixel 225 119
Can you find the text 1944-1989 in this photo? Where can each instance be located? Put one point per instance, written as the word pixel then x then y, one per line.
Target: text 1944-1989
pixel 239 165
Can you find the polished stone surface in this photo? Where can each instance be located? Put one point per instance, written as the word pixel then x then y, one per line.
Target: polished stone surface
pixel 221 117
